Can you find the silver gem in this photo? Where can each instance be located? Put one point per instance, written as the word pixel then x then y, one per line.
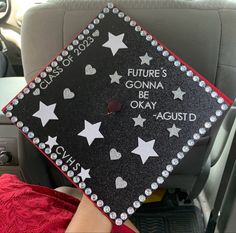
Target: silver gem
pixel 80 37
pixel 19 124
pixel 9 114
pixel 32 85
pixel 159 48
pixel 110 5
pixel 94 197
pixel 112 215
pixel 148 192
pixel 189 73
pixel 43 74
pixel 136 204
pixel 154 185
pixel 75 42
pixel 48 69
pixel 118 222
pixel 41 145
pixel 190 142
pixel 88 191
pixel 65 53
pixel 220 100
pixel 160 180
pixel 70 47
pixel 106 209
pixel 100 203
pixel 59 162
pixel 76 179
pixel 207 125
pixel 82 185
pixel 25 129
pixel 115 10
pixel 185 149
pixel 53 156
pixel 214 94
pixel 30 134
pixel 20 96
pixel 183 68
pixel 175 162
pixel 169 168
pixel 130 210
pixel 132 23
pixel 59 58
pixel 100 16
pixel 148 37
pixel 202 131
pixel 96 21
pixel 138 28
pixel 219 113
pixel 64 168
pixel 48 150
pixel 165 53
pixel 106 10
pixel 26 90
pixel 196 136
pixel 37 80
pixel 15 101
pixel 54 64
pixel 121 14
pixel 177 63
pixel 91 26
pixel 86 31
pixel 208 89
pixel 36 140
pixel 224 107
pixel 165 173
pixel 123 216
pixel 70 173
pixel 180 155
pixel 195 78
pixel 126 18
pixel 14 119
pixel 142 198
pixel 213 118
pixel 154 43
pixel 171 58
pixel 9 107
pixel 202 84
pixel 143 33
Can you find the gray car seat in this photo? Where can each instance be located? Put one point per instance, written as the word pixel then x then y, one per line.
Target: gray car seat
pixel 201 32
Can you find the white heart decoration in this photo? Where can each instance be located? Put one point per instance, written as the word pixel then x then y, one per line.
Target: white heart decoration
pixel 68 94
pixel 114 154
pixel 120 183
pixel 89 70
pixel 96 33
pixel 36 91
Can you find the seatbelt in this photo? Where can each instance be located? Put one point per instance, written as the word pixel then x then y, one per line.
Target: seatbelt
pixel 222 188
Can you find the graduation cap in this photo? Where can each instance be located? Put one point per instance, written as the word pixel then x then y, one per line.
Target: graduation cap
pixel 116 112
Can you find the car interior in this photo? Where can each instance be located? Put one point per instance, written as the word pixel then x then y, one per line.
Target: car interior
pixel 201 32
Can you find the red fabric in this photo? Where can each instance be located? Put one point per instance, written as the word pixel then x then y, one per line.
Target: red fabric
pixel 34 209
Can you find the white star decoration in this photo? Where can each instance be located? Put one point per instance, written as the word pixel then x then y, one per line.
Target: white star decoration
pixel 178 94
pixel 115 43
pixel 91 131
pixel 139 120
pixel 115 78
pixel 145 150
pixel 46 113
pixel 51 142
pixel 145 59
pixel 84 174
pixel 174 131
